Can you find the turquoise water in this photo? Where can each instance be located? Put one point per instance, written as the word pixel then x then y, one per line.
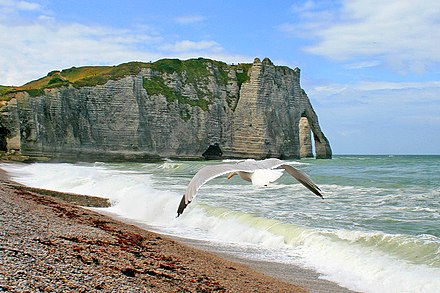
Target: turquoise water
pixel 377 230
pixel 392 194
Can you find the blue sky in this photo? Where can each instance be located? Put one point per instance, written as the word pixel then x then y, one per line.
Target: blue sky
pixel 371 68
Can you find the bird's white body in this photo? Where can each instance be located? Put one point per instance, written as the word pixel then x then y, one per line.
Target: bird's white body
pixel 261 177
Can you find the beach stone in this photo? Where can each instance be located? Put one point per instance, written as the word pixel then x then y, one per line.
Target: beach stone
pixel 43 250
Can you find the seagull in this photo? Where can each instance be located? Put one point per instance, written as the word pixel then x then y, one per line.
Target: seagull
pixel 245 170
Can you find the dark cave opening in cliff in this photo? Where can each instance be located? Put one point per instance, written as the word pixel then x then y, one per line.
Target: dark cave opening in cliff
pixel 213 152
pixel 3 142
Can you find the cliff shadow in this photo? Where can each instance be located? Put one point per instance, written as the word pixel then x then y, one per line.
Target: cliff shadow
pixel 3 142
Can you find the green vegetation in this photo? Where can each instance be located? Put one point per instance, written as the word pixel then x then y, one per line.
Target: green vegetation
pixel 35 92
pixel 193 72
pixel 77 73
pixel 195 69
pixel 185 114
pixel 4 89
pixel 168 65
pixel 57 81
pixel 156 86
pixel 99 75
pixel 242 72
pixel 77 77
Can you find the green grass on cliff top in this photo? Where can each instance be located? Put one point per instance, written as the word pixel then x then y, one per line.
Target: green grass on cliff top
pixel 194 72
pixel 4 89
pixel 78 77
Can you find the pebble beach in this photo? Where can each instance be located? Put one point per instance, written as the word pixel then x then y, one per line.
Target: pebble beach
pixel 50 245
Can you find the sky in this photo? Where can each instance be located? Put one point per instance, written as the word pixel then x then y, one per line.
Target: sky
pixel 370 68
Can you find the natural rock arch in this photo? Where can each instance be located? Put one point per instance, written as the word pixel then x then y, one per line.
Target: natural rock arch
pixel 157 111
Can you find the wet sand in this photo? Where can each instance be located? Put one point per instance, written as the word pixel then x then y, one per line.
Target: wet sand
pixel 50 245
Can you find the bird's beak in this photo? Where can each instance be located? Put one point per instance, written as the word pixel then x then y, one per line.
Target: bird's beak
pixel 231 175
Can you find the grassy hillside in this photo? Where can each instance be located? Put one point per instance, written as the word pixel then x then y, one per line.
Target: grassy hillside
pixel 97 75
pixel 4 89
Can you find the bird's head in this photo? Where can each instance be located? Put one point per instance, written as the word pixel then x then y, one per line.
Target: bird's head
pixel 232 175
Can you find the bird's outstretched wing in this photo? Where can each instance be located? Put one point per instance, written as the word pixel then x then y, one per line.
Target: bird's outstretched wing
pixel 303 178
pixel 202 176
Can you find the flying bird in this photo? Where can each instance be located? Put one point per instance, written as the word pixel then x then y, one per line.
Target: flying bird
pixel 246 170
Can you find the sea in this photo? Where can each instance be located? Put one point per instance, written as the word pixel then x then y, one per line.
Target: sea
pixel 376 230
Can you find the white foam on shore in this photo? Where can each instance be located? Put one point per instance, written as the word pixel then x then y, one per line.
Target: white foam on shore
pixel 362 261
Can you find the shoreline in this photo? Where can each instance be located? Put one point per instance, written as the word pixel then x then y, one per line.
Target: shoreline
pixel 48 243
pixel 290 273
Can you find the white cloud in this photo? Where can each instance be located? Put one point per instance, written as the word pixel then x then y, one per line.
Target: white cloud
pixel 403 34
pixel 11 11
pixel 24 5
pixel 328 89
pixel 19 5
pixel 364 64
pixel 29 51
pixel 33 45
pixel 399 91
pixel 185 46
pixel 304 6
pixel 189 19
pixel 372 86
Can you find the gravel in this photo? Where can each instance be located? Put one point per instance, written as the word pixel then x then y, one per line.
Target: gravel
pixel 49 245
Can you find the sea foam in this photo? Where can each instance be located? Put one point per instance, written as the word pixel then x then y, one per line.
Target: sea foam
pixel 368 261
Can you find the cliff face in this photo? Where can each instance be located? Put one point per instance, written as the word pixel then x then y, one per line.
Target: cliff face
pixel 166 109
